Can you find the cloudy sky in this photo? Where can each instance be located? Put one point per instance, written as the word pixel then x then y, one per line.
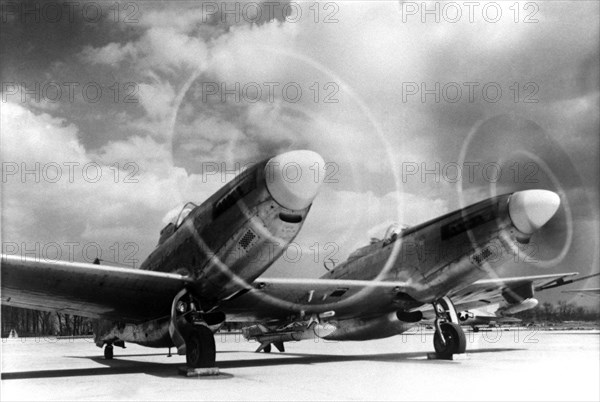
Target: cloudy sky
pixel 118 114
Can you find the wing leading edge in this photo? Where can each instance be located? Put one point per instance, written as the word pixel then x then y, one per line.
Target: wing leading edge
pixel 89 290
pixel 275 299
pixel 100 291
pixel 487 291
pixel 278 298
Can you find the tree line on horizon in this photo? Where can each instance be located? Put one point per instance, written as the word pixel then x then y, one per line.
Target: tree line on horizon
pixel 39 323
pixel 559 312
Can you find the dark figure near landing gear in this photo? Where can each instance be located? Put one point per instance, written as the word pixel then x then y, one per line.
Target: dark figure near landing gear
pixel 454 340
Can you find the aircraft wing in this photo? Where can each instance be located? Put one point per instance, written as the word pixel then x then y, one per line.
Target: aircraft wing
pixel 100 291
pixel 89 290
pixel 278 298
pixel 488 291
pixel 586 291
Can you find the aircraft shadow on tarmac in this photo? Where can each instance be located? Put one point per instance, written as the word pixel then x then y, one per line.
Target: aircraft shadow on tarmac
pixel 117 366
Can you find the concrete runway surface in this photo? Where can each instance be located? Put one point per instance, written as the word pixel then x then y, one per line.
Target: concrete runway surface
pixel 519 364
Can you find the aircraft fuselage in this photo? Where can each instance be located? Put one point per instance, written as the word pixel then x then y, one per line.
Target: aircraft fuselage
pixel 447 253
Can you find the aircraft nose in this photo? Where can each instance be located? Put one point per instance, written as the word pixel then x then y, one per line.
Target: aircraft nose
pixel 294 178
pixel 529 210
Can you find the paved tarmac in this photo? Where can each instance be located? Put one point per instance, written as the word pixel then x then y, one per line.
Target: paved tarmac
pixel 500 365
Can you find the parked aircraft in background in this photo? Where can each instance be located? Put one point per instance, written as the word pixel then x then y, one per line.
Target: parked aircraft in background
pixel 207 265
pixel 485 316
pixel 501 312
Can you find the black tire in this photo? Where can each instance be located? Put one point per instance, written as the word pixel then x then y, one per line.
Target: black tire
pixel 200 348
pixel 108 352
pixel 456 341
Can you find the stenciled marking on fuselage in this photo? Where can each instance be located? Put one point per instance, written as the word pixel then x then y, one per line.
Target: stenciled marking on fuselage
pixel 463 224
pixel 242 188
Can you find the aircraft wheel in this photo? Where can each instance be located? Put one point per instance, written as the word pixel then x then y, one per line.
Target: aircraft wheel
pixel 456 341
pixel 108 352
pixel 200 348
pixel 267 348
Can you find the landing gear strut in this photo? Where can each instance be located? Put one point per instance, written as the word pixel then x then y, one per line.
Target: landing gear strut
pixel 449 337
pixel 266 347
pixel 108 351
pixel 190 333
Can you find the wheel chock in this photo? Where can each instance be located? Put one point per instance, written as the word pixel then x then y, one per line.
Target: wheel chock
pixel 456 356
pixel 198 372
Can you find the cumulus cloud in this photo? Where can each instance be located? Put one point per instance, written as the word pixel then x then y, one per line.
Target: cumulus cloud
pixel 157 99
pixel 367 57
pixel 31 138
pixel 111 54
pixel 55 190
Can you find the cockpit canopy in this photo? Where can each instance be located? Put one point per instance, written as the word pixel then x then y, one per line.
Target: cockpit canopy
pixel 185 211
pixel 176 222
pixel 393 231
pixel 391 234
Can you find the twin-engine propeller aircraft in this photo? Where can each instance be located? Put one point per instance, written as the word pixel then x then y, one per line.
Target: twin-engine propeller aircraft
pixel 205 271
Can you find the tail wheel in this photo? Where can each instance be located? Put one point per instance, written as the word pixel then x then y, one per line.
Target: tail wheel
pixel 200 347
pixel 108 352
pixel 454 340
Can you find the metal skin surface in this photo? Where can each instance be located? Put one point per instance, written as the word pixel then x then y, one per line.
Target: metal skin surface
pixel 444 256
pixel 206 245
pixel 433 258
pixel 428 261
pixel 219 248
pixel 217 251
pixel 222 246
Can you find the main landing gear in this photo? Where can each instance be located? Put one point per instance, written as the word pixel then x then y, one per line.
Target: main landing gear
pixel 449 337
pixel 192 336
pixel 200 347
